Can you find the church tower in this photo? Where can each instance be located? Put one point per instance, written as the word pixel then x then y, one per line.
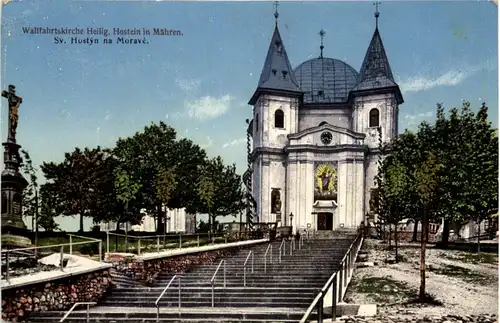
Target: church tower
pixel 376 99
pixel 275 115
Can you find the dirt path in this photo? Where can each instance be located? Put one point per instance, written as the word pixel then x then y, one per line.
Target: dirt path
pixel 461 283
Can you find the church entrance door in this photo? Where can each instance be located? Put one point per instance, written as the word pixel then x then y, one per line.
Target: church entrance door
pixel 325 221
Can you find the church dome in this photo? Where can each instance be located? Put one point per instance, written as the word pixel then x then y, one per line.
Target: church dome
pixel 325 80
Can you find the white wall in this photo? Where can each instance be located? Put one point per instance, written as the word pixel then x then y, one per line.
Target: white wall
pixel 176 223
pixel 387 106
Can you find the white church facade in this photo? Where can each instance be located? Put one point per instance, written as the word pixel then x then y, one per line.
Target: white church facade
pixel 315 133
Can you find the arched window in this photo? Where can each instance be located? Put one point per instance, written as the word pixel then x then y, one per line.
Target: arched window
pixel 374 118
pixel 257 122
pixel 279 119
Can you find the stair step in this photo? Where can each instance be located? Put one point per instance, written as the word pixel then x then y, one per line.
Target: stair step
pixel 281 294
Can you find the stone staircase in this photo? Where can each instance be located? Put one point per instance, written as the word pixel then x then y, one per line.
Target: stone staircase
pixel 281 294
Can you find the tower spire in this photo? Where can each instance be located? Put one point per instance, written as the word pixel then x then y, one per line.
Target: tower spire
pixel 321 34
pixel 276 13
pixel 377 14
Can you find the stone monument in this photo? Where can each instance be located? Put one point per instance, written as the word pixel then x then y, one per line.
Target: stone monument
pixel 13 183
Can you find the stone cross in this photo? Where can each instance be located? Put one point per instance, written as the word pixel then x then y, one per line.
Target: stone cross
pixel 14 103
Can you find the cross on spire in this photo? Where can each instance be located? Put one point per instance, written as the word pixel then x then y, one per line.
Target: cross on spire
pixel 276 13
pixel 321 34
pixel 377 14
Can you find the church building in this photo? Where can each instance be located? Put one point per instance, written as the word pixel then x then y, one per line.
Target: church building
pixel 315 134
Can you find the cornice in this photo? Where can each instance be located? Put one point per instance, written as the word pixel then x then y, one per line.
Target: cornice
pixel 327 126
pixel 326 149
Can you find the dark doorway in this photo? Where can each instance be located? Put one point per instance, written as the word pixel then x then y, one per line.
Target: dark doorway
pixel 325 221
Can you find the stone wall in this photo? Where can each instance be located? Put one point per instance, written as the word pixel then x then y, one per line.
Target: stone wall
pixel 146 271
pixel 57 295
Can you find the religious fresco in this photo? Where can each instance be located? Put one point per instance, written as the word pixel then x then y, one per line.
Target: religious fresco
pixel 325 181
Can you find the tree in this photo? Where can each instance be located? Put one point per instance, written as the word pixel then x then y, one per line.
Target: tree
pixel 165 186
pixel 78 182
pixel 189 161
pixel 426 186
pixel 220 189
pixel 48 198
pixel 468 145
pixel 126 191
pixel 480 170
pixel 143 156
pixel 206 188
pixel 29 196
pixel 397 190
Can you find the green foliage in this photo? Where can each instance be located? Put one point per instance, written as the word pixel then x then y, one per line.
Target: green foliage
pixel 141 155
pixel 48 206
pixel 29 202
pixel 220 189
pixel 32 199
pixel 426 180
pixel 147 171
pixel 78 184
pixel 165 184
pixel 452 166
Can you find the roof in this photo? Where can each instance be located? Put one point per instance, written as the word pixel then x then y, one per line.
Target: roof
pixel 277 73
pixel 325 80
pixel 375 71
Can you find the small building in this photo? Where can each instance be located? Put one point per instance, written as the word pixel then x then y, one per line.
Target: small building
pixel 177 220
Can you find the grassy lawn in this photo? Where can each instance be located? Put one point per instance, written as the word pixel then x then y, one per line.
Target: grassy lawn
pixel 380 289
pixel 467 275
pixel 130 245
pixel 474 258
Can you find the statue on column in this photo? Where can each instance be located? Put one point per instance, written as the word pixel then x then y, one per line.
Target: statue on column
pixel 14 103
pixel 13 182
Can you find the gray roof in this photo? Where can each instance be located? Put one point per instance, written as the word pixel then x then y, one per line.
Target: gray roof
pixel 375 71
pixel 325 80
pixel 277 73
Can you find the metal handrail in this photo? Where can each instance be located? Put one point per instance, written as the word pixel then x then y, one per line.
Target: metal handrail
pixel 301 241
pixel 245 268
pixel 36 248
pixel 88 238
pixel 51 246
pixel 82 237
pixel 269 248
pixel 75 305
pixel 213 278
pixel 281 247
pixel 334 280
pixel 163 293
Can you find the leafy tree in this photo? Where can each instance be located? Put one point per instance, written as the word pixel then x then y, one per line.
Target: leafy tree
pixel 48 202
pixel 467 144
pixel 220 189
pixel 207 193
pixel 479 190
pixel 126 192
pixel 165 186
pixel 397 189
pixel 77 182
pixel 188 162
pixel 29 196
pixel 426 186
pixel 141 156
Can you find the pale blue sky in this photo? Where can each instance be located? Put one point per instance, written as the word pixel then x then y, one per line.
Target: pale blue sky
pixel 200 83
